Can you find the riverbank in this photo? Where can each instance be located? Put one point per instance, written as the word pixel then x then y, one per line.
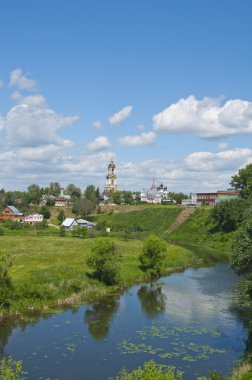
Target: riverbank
pixel 51 271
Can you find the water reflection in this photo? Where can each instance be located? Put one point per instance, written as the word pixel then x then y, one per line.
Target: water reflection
pixel 152 299
pixel 99 316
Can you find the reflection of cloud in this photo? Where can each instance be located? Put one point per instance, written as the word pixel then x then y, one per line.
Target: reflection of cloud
pixel 188 299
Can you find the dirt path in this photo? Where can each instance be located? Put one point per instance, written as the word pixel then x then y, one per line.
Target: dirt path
pixel 180 219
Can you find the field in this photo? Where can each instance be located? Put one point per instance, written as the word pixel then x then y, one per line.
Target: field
pixel 50 270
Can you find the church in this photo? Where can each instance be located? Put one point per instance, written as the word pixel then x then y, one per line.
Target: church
pixel 111 179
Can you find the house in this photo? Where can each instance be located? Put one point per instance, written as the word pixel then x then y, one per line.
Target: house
pixel 11 213
pixel 69 224
pixel 62 202
pixel 34 218
pixel 85 223
pixel 210 199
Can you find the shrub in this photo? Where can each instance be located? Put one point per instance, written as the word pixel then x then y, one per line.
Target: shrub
pixel 11 369
pixel 103 260
pixel 153 254
pixel 150 371
pixel 6 287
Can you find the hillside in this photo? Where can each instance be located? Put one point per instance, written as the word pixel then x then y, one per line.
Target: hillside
pixel 196 229
pixel 144 221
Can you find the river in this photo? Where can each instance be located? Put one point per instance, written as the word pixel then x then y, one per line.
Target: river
pixel 183 320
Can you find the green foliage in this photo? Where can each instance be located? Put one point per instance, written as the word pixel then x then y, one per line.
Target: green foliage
pixel 91 194
pixel 1 231
pixel 150 371
pixel 6 287
pixel 61 216
pixel 227 216
pixel 146 220
pixel 152 257
pixel 103 260
pixel 44 210
pixel 11 369
pixel 62 231
pixel 241 257
pixel 80 232
pixel 243 181
pixel 83 207
pixel 247 376
pixel 73 191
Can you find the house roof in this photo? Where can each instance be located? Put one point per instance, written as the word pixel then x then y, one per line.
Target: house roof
pixel 68 222
pixel 15 210
pixel 83 221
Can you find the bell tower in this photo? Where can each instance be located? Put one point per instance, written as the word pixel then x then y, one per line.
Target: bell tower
pixel 111 181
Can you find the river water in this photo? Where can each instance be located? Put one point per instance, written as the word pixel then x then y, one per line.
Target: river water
pixel 183 320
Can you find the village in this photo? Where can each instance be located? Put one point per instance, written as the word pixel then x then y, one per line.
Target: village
pixel 154 195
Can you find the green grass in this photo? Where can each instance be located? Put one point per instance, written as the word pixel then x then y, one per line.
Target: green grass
pixel 153 219
pixel 50 271
pixel 196 230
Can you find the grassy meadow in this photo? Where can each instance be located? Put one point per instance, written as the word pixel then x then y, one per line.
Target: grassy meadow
pixel 49 270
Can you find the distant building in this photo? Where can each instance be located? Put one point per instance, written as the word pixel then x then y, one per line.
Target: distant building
pixel 111 180
pixel 34 218
pixel 11 213
pixel 211 198
pixel 155 194
pixel 69 224
pixel 85 223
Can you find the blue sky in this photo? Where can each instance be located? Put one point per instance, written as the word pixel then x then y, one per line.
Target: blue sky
pixel 162 86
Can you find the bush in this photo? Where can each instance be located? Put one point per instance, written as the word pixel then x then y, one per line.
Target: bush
pixel 6 287
pixel 150 371
pixel 154 250
pixel 103 260
pixel 11 369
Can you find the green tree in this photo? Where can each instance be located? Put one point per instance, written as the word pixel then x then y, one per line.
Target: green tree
pixel 91 194
pixel 44 210
pixel 127 197
pixel 103 259
pixel 152 257
pixel 83 207
pixel 116 197
pixel 54 189
pixel 227 216
pixel 241 255
pixel 243 181
pixel 61 216
pixel 34 193
pixel 6 287
pixel 73 191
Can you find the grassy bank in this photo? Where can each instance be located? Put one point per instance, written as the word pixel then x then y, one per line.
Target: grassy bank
pixel 49 271
pixel 196 230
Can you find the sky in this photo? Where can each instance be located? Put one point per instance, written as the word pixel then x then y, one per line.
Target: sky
pixel 161 86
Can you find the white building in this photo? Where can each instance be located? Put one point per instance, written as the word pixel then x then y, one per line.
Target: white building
pixel 34 218
pixel 69 224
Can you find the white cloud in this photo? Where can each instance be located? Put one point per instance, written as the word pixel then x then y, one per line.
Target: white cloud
pixel 144 139
pixel 206 118
pixel 1 123
pixel 32 126
pixel 100 143
pixel 97 125
pixel 18 79
pixel 221 161
pixel 32 100
pixel 121 115
pixel 223 146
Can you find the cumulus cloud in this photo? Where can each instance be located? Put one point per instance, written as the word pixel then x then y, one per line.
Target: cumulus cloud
pixel 226 160
pixel 100 143
pixel 32 126
pixel 18 79
pixel 145 138
pixel 120 116
pixel 97 125
pixel 206 118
